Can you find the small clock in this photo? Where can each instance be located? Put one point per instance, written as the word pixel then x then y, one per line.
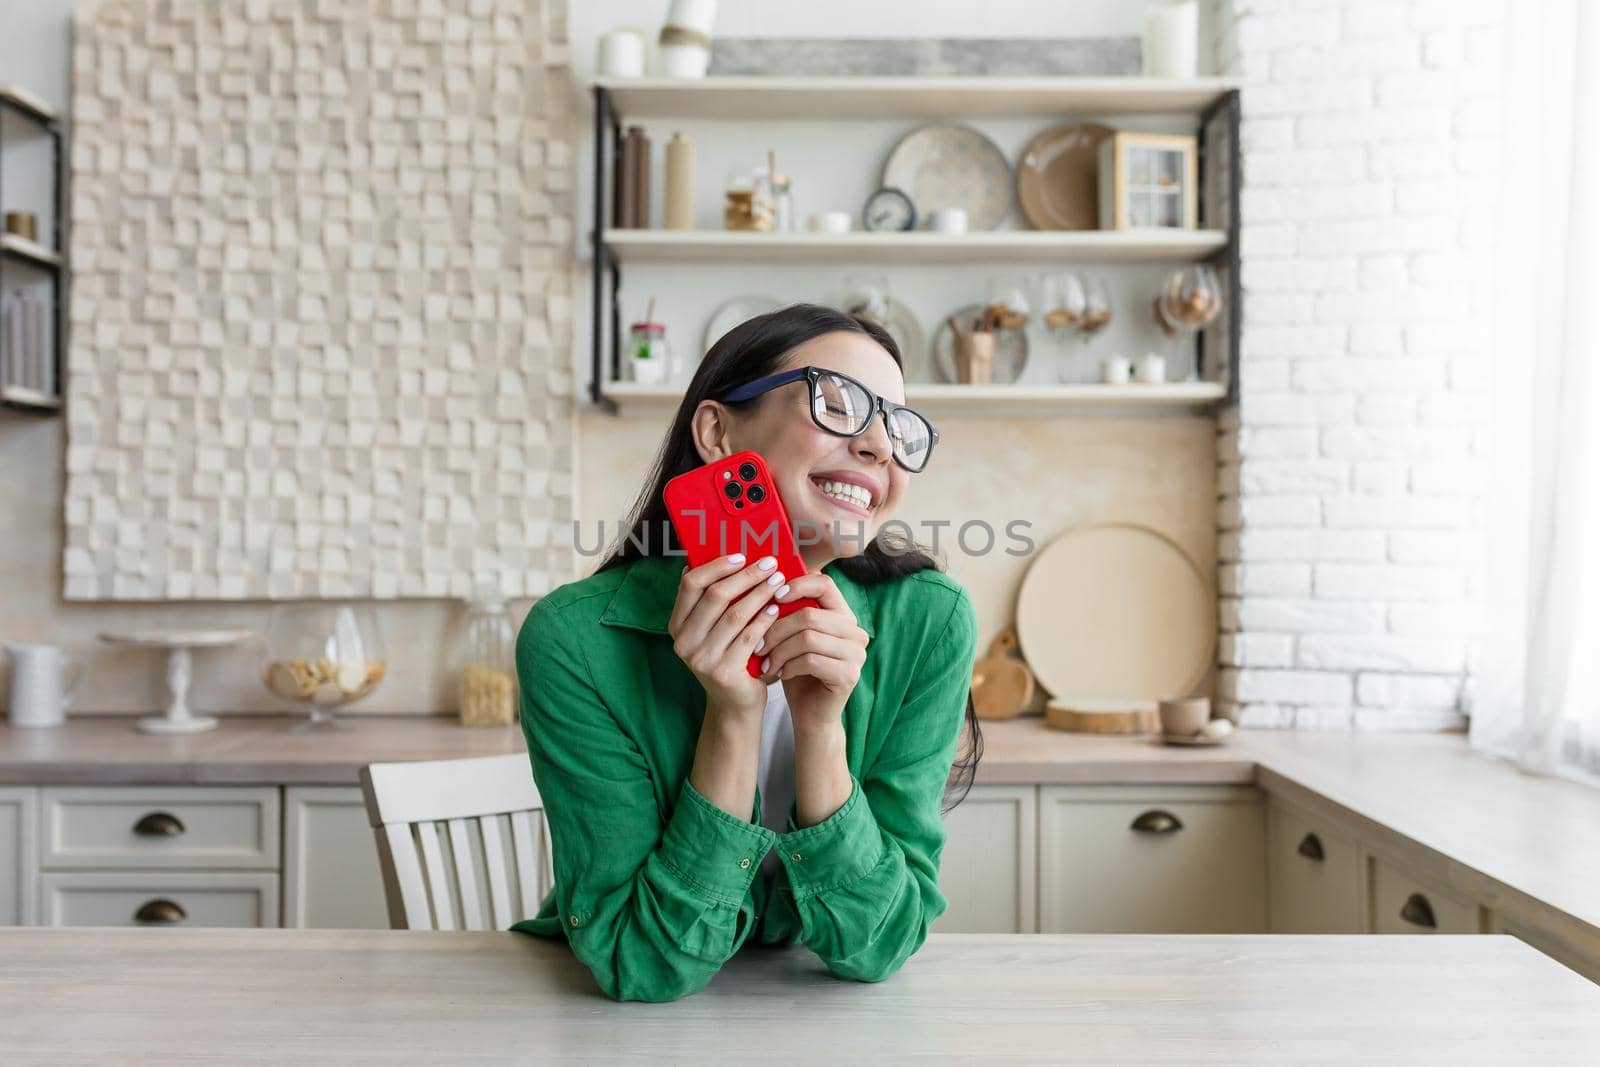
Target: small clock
pixel 888 210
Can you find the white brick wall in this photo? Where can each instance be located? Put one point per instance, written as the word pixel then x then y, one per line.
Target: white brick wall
pixel 1350 503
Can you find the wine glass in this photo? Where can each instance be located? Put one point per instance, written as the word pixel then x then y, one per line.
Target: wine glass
pixel 866 295
pixel 1189 300
pixel 1007 306
pixel 323 656
pixel 1064 300
pixel 1096 309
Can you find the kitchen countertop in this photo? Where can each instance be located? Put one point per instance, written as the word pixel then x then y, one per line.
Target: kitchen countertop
pixel 1527 840
pixel 380 996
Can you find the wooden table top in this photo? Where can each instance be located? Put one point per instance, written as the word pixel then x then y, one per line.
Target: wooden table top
pixel 353 996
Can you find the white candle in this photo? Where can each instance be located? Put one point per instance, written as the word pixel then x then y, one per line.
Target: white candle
pixel 621 54
pixel 1171 39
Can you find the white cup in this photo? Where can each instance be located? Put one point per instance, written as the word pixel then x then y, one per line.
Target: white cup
pixel 39 690
pixel 1116 370
pixel 948 220
pixel 621 54
pixel 1152 368
pixel 831 222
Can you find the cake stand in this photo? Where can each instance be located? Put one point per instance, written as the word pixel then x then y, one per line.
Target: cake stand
pixel 177 643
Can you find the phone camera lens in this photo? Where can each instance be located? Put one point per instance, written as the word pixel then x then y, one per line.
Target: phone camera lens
pixel 756 494
pixel 747 471
pixel 733 489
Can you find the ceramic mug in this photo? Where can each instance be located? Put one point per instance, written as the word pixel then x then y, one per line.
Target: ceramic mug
pixel 948 220
pixel 1186 717
pixel 1152 368
pixel 40 692
pixel 1116 370
pixel 831 222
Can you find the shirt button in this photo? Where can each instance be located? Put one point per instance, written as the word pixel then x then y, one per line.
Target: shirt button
pixel 795 856
pixel 573 919
pixel 744 863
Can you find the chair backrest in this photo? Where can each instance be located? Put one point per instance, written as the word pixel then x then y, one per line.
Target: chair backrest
pixel 463 843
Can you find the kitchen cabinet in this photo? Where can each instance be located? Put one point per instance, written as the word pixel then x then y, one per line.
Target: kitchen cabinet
pixel 1145 859
pixel 158 856
pixel 159 898
pixel 1402 903
pixel 331 877
pixel 1314 883
pixel 231 827
pixel 18 855
pixel 989 871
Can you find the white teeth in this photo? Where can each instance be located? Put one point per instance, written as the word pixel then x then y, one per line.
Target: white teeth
pixel 854 494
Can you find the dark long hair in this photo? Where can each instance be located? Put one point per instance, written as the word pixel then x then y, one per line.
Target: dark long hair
pixel 751 350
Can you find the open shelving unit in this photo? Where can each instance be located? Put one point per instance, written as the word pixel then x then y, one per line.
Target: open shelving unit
pixel 1203 100
pixel 33 255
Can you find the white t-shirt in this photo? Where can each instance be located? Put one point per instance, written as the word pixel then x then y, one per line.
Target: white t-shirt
pixel 775 775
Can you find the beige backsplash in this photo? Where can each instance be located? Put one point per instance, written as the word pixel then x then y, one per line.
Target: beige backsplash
pixel 1054 473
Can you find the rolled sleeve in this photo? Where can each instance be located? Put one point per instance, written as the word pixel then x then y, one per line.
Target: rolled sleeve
pixel 712 850
pixel 845 846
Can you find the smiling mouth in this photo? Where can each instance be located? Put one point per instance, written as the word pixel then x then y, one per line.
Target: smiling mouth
pixel 852 498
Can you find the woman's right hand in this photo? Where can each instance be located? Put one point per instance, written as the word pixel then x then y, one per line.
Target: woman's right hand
pixel 722 613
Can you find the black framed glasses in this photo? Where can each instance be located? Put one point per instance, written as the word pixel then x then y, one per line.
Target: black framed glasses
pixel 844 407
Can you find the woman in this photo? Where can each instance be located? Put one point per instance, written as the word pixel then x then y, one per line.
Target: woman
pixel 690 804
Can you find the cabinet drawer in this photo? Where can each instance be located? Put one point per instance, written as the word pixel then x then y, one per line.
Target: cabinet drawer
pixel 154 826
pixel 987 871
pixel 1404 904
pixel 1175 859
pixel 164 898
pixel 1313 874
pixel 18 875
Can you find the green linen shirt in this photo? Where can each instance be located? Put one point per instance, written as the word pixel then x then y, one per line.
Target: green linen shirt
pixel 656 887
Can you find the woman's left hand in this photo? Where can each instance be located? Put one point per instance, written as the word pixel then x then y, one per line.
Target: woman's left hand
pixel 819 651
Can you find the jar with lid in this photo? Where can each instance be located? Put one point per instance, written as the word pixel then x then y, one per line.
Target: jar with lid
pixel 487 664
pixel 649 355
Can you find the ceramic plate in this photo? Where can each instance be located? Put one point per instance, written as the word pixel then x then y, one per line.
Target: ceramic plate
pixel 1194 740
pixel 1010 350
pixel 943 166
pixel 1115 612
pixel 1058 181
pixel 903 326
pixel 732 314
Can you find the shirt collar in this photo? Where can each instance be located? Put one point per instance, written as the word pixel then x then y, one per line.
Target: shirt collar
pixel 643 599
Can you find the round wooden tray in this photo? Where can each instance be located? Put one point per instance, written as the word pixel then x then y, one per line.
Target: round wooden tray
pixel 1115 613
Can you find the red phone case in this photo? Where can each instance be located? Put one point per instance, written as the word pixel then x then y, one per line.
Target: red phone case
pixel 710 522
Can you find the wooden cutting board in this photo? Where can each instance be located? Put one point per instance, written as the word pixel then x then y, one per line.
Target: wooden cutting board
pixel 1002 685
pixel 1085 718
pixel 1115 613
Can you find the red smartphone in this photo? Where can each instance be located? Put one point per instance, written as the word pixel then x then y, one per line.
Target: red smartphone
pixel 732 505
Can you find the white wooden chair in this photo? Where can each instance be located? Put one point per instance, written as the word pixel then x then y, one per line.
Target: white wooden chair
pixel 463 843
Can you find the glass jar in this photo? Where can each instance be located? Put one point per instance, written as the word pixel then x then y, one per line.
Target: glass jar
pixel 488 667
pixel 649 355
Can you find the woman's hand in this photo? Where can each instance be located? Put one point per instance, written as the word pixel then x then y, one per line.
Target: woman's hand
pixel 721 614
pixel 818 652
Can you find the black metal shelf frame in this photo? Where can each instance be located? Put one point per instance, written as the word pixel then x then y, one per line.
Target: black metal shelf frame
pixel 53 127
pixel 606 272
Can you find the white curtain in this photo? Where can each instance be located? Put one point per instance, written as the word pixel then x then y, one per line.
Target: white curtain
pixel 1537 699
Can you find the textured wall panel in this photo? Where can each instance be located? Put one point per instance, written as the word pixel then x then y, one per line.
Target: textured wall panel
pixel 322 303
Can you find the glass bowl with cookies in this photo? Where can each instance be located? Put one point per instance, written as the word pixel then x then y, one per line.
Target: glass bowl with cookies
pixel 322 657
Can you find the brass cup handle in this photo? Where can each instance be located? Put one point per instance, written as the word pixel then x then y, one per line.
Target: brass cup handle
pixel 1156 821
pixel 1418 912
pixel 160 910
pixel 1311 848
pixel 159 824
